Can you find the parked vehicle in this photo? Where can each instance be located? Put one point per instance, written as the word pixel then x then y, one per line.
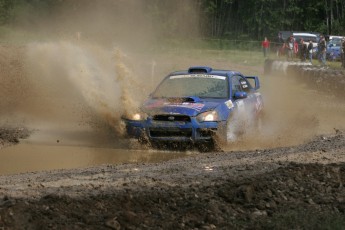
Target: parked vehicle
pixel 333 52
pixel 334 38
pixel 306 38
pixel 200 106
pixel 314 37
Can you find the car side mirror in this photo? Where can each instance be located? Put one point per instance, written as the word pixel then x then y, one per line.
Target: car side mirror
pixel 240 95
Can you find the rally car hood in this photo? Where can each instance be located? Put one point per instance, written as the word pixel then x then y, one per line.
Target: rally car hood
pixel 190 106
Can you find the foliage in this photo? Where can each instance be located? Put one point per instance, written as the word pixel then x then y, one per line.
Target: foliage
pixel 261 18
pixel 5 11
pixel 230 19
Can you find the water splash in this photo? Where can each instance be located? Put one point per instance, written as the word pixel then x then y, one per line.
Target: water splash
pixel 82 70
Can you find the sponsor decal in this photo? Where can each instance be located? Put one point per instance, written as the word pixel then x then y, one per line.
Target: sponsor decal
pixel 160 103
pixel 198 76
pixel 195 106
pixel 244 84
pixel 229 104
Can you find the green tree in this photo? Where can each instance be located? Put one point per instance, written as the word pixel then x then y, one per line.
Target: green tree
pixel 250 19
pixel 259 18
pixel 6 7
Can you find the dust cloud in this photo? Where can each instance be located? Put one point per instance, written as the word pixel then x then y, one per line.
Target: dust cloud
pixel 301 111
pixel 293 113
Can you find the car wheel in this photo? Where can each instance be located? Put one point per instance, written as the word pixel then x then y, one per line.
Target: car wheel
pixel 228 132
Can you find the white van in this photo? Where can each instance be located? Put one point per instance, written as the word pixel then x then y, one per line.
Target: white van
pixel 306 38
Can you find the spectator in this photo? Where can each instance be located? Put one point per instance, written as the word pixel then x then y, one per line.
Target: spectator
pixel 295 48
pixel 280 39
pixel 322 51
pixel 280 44
pixel 265 46
pixel 310 50
pixel 343 53
pixel 290 47
pixel 303 49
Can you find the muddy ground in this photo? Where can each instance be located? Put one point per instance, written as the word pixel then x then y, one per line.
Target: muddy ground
pixel 290 186
pixel 299 187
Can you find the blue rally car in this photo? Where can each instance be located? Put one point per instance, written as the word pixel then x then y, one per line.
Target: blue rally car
pixel 201 106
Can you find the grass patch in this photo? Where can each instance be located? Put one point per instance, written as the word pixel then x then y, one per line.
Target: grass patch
pixel 249 58
pixel 247 53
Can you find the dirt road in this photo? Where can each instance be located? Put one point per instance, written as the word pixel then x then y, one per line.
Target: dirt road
pixel 292 177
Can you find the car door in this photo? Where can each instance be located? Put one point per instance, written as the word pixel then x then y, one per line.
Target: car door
pixel 245 106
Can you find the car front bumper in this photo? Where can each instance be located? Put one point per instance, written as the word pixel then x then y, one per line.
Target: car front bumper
pixel 175 131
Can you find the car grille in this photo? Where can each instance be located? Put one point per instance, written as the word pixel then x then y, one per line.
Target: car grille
pixel 172 118
pixel 171 132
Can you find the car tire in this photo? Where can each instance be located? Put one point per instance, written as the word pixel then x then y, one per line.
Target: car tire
pixel 228 132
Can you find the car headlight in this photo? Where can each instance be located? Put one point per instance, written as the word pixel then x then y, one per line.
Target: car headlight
pixel 139 116
pixel 208 116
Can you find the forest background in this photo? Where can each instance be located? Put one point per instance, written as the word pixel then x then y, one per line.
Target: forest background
pixel 211 19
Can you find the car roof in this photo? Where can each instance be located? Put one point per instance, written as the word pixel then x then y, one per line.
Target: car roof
pixel 287 33
pixel 335 37
pixel 304 34
pixel 206 70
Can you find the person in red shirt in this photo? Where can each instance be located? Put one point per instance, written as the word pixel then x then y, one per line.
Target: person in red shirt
pixel 265 46
pixel 295 48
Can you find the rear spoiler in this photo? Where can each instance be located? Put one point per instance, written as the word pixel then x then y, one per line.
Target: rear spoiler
pixel 255 80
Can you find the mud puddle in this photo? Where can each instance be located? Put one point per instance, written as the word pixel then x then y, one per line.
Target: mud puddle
pixel 65 149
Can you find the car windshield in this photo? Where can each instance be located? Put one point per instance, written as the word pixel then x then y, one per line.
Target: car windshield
pixel 305 38
pixel 334 43
pixel 199 85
